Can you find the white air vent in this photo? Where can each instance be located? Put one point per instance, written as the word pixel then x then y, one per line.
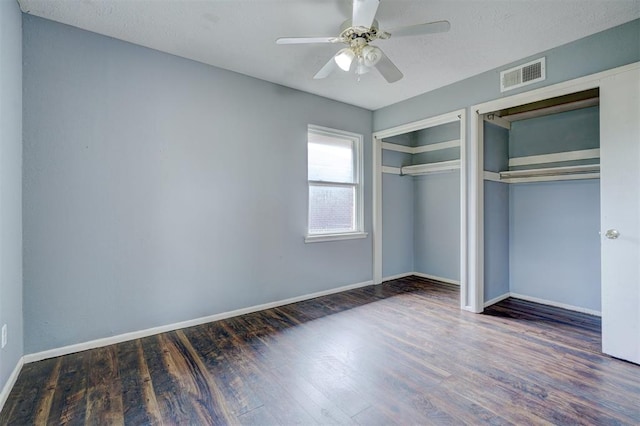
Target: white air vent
pixel 523 75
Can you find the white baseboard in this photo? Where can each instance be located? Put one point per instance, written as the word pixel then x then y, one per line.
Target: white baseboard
pixel 421 275
pixel 435 278
pixel 556 304
pixel 497 299
pixel 398 276
pixel 6 389
pixel 106 341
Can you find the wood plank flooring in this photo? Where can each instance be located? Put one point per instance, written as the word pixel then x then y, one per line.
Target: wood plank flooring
pixel 400 353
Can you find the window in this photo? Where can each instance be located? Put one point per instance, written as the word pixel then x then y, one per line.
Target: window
pixel 335 184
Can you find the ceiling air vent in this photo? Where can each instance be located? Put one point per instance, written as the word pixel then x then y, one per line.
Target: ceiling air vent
pixel 522 75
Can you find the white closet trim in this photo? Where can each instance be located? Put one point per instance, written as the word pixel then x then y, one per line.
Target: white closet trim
pixel 437 146
pixel 493 176
pixel 398 148
pixel 423 169
pixel 419 125
pixel 392 170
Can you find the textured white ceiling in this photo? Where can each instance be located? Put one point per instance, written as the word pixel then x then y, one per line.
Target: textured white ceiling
pixel 239 35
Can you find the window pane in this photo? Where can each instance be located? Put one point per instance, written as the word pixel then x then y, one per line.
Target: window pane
pixel 331 209
pixel 330 159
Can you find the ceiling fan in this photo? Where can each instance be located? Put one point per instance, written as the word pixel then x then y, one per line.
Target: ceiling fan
pixel 357 33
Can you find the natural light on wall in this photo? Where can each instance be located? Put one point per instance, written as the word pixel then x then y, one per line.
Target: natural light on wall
pixel 335 192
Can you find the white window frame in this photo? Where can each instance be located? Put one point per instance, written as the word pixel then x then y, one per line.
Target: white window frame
pixel 357 140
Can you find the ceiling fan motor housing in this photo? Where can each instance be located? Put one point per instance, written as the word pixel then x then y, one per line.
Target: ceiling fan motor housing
pixel 350 34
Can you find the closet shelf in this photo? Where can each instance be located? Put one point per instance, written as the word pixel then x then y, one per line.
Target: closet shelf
pixel 423 169
pixel 585 154
pixel 420 149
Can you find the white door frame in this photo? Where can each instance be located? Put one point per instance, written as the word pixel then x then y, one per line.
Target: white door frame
pixel 459 115
pixel 476 166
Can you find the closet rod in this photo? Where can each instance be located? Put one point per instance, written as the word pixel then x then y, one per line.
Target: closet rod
pixel 423 169
pixel 551 171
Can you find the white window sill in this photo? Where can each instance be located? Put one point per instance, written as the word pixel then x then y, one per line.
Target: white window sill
pixel 318 238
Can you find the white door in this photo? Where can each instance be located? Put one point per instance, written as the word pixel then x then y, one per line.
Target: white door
pixel 620 214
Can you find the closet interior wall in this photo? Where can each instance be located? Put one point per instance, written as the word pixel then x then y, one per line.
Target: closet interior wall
pixel 541 237
pixel 421 213
pixel 397 212
pixel 436 207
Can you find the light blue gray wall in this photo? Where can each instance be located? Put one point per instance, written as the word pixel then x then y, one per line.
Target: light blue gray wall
pixel 496 148
pixel 442 133
pixel 436 242
pixel 496 214
pixel 397 224
pixel 496 239
pixel 554 241
pixel 158 190
pixel 566 131
pixel 405 139
pixel 397 212
pixel 10 185
pixel 395 158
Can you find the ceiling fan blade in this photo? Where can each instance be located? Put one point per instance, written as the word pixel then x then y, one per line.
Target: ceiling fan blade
pixel 364 12
pixel 389 71
pixel 306 40
pixel 421 29
pixel 327 69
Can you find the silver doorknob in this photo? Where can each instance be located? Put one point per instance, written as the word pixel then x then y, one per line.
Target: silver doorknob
pixel 612 234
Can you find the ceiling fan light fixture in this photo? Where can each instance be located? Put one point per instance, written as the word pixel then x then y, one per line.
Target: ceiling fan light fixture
pixel 371 55
pixel 362 69
pixel 344 58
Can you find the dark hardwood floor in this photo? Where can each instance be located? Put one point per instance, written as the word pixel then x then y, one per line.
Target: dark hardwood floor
pixel 400 353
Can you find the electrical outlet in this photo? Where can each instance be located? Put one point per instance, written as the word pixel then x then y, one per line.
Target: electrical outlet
pixel 4 335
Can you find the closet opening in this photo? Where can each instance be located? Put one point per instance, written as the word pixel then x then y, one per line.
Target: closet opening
pixel 420 201
pixel 586 179
pixel 541 202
